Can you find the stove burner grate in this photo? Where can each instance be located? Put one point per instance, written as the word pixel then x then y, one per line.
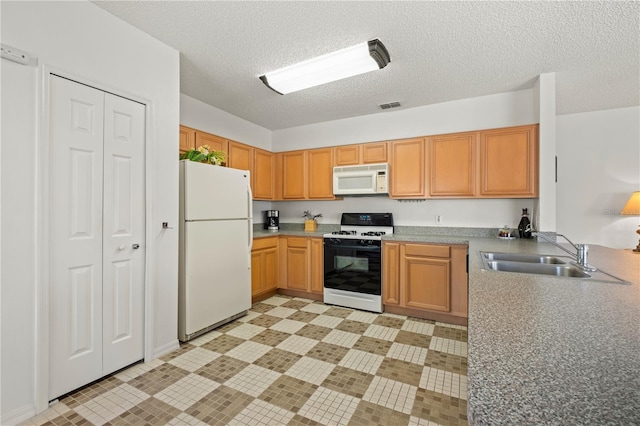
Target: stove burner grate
pixel 344 233
pixel 373 234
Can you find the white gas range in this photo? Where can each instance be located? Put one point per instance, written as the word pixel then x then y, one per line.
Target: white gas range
pixel 353 261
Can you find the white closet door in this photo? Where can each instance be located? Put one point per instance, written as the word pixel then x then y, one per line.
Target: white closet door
pixel 75 307
pixel 124 221
pixel 97 219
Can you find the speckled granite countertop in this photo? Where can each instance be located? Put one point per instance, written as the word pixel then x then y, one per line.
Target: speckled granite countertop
pixel 547 350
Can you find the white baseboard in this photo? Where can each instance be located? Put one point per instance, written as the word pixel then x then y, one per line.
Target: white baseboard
pixel 165 349
pixel 18 415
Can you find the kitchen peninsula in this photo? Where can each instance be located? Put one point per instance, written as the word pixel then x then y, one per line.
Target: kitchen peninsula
pixel 548 350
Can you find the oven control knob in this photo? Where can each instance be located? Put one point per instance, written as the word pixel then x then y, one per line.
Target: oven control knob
pixel 334 240
pixel 365 242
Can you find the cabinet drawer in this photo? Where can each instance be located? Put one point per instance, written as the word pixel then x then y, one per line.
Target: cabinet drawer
pixel 297 242
pixel 263 243
pixel 427 250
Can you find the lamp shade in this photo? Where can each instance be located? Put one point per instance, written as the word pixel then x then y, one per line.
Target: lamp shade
pixel 632 208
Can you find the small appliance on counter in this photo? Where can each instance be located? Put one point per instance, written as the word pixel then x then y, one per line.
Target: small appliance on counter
pixel 272 220
pixel 524 227
pixel 505 233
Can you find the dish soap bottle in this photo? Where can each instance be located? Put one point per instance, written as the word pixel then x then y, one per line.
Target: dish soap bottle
pixel 524 227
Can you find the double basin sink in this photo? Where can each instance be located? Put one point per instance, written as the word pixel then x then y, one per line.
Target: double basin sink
pixel 540 264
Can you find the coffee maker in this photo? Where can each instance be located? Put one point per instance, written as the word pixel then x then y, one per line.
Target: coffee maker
pixel 272 220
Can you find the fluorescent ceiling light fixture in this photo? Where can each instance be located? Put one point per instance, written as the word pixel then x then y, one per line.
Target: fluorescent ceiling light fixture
pixel 354 60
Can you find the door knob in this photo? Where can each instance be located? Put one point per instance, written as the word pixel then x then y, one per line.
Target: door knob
pixel 136 246
pixel 121 247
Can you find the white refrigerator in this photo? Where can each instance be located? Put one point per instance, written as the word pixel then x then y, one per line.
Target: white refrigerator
pixel 216 234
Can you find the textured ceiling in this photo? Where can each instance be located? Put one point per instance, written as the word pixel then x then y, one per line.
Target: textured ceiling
pixel 440 51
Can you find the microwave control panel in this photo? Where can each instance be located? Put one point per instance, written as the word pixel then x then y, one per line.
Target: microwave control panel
pixel 381 183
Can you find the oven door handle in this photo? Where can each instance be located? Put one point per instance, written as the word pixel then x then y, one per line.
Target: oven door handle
pixel 358 247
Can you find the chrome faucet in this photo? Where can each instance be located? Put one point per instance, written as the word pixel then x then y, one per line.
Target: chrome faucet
pixel 580 256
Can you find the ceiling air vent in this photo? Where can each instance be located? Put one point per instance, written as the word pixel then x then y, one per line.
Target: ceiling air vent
pixel 389 105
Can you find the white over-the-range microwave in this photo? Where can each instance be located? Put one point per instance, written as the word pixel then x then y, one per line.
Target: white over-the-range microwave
pixel 365 179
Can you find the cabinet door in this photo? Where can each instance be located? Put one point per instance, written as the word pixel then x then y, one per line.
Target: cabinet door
pixel 214 142
pixel 264 265
pixel 294 175
pixel 257 272
pixel 240 156
pixel 297 264
pixel 391 273
pixel 317 265
pixel 187 139
pixel 407 169
pixel 348 155
pixel 270 266
pixel 509 162
pixel 374 152
pixel 320 173
pixel 452 165
pixel 263 174
pixel 426 282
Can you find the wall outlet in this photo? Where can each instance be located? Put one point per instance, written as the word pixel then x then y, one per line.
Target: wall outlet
pixel 438 219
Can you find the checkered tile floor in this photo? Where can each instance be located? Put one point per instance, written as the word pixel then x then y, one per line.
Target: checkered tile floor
pixel 290 361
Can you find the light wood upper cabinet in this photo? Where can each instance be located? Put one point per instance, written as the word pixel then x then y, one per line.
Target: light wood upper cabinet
pixel 294 175
pixel 497 163
pixel 375 152
pixel 320 173
pixel 366 153
pixel 452 165
pixel 240 156
pixel 407 168
pixel 187 139
pixel 263 175
pixel 509 162
pixel 425 280
pixel 348 155
pixel 216 143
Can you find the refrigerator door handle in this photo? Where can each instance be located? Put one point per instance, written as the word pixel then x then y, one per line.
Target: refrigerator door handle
pixel 250 222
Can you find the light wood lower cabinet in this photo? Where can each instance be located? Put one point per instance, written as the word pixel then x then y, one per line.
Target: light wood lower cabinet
pixel 264 268
pixel 301 266
pixel 425 280
pixel 316 245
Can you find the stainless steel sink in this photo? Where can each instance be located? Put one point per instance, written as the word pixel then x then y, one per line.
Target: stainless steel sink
pixel 541 264
pixel 537 268
pixel 526 258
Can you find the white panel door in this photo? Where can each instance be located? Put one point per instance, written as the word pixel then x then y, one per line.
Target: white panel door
pixel 97 216
pixel 76 235
pixel 218 272
pixel 123 233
